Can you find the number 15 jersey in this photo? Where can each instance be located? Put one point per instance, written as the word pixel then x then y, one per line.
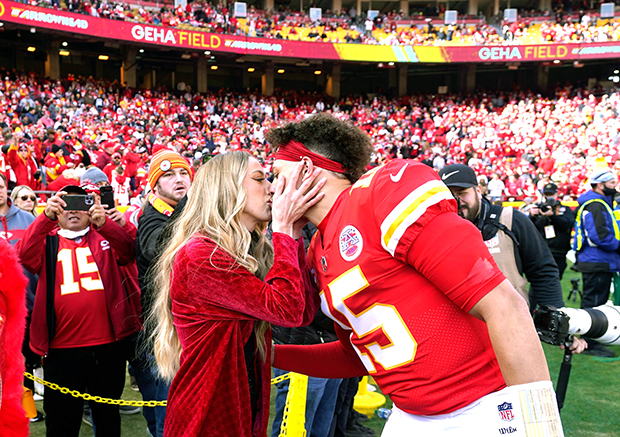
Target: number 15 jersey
pixel 398 271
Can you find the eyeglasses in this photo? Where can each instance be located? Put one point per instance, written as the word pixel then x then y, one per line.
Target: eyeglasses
pixel 24 198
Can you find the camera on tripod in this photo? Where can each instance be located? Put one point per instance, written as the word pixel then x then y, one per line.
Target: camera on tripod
pixel 574 291
pixel 557 326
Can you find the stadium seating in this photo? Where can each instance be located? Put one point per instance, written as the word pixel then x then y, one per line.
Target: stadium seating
pixel 504 133
pixel 389 28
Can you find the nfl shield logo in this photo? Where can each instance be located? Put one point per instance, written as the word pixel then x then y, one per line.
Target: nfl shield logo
pixel 505 411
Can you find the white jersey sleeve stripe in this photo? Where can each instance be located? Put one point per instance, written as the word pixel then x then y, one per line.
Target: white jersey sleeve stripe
pixel 409 210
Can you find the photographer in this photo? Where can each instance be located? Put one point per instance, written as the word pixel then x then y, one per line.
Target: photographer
pixel 511 239
pixel 554 223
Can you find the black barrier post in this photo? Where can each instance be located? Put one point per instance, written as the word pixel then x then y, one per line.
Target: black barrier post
pixel 560 390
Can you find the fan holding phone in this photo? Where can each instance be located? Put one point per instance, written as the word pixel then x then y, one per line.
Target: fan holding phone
pixel 82 315
pixel 96 183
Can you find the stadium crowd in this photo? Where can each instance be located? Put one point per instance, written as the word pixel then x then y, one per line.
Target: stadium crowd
pixel 350 26
pixel 79 134
pixel 53 129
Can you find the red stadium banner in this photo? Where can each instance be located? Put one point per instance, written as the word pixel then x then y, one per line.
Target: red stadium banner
pixel 37 17
pixel 525 53
pixel 57 20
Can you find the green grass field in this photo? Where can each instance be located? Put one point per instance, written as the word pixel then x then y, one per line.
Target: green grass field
pixel 590 409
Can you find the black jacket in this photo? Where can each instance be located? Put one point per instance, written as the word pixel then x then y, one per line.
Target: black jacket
pixel 150 226
pixel 321 330
pixel 562 222
pixel 533 257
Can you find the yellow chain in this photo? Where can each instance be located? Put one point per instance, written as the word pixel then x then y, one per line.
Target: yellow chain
pixel 281 378
pixel 87 397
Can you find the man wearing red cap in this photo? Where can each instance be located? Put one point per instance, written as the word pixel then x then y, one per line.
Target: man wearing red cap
pixel 169 178
pixel 109 169
pixel 105 156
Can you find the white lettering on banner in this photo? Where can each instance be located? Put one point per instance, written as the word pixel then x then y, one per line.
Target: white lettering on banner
pixel 248 45
pixel 598 50
pixel 499 53
pixel 153 34
pixel 44 17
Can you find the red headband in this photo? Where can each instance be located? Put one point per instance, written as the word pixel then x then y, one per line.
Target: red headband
pixel 295 151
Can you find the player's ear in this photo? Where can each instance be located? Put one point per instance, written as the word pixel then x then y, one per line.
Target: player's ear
pixel 308 167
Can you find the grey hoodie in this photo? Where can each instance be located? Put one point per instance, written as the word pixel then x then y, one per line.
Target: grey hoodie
pixel 14 223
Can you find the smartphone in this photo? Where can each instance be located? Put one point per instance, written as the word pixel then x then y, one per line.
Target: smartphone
pixel 107 196
pixel 78 202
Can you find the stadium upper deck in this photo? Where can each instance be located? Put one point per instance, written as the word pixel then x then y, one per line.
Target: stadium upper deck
pixel 206 27
pixel 256 61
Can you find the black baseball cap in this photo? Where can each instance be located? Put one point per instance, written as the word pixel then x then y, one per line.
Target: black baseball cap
pixel 73 189
pixel 458 175
pixel 550 188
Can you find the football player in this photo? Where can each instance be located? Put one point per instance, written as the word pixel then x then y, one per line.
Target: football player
pixel 417 300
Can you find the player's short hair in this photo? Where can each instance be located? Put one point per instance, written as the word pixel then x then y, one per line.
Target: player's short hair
pixel 330 137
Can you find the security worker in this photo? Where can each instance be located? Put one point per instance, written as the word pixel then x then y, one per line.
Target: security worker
pixel 554 222
pixel 597 239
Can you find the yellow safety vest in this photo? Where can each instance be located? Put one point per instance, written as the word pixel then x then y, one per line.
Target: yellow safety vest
pixel 580 234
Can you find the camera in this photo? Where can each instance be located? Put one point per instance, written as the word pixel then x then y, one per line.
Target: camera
pixel 548 204
pixel 557 326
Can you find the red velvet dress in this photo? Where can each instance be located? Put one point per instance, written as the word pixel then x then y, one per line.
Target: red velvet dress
pixel 216 303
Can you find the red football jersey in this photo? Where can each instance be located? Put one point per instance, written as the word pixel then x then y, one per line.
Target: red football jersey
pixel 79 298
pixel 382 262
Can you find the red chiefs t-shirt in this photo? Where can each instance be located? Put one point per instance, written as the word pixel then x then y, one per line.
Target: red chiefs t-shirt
pixel 82 317
pixel 385 266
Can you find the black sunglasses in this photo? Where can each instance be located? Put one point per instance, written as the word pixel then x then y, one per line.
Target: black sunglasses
pixel 24 198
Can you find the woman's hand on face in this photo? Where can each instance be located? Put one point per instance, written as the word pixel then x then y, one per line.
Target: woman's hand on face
pixel 291 203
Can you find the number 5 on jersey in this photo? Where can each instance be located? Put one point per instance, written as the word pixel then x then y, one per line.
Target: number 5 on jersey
pixel 401 348
pixel 78 258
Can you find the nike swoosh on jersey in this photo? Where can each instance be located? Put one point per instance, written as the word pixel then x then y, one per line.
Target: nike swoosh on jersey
pixel 447 175
pixel 397 176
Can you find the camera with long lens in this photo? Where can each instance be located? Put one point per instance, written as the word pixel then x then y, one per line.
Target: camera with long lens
pixel 548 204
pixel 557 326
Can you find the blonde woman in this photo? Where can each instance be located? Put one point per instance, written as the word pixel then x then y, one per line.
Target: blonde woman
pixel 220 285
pixel 24 198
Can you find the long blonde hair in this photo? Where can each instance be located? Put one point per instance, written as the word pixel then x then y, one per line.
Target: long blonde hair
pixel 214 206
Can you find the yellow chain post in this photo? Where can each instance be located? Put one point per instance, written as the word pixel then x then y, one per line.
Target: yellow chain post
pixel 366 402
pixel 294 414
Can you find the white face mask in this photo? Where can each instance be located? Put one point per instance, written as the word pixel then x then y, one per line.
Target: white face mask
pixel 72 235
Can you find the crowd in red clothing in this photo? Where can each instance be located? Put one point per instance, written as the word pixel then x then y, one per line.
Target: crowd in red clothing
pixel 349 26
pixel 53 129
